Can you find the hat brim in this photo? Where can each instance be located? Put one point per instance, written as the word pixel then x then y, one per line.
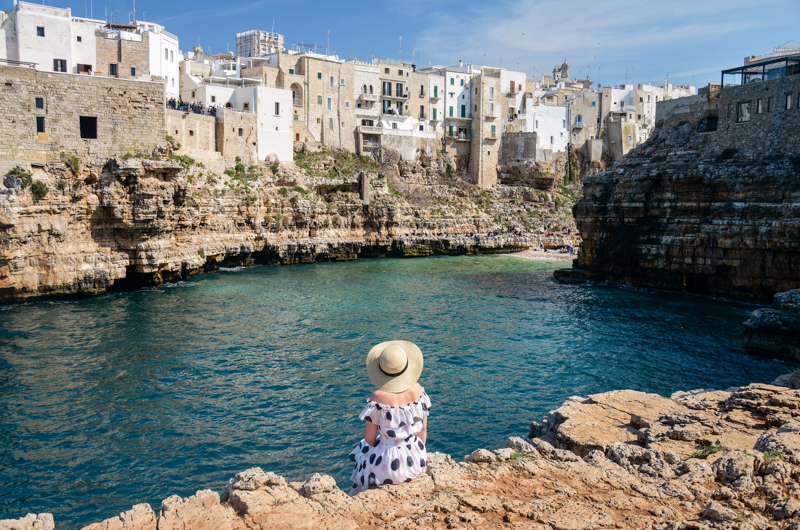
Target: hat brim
pixel 399 383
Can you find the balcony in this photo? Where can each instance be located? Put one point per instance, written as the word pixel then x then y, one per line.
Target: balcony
pixel 396 96
pixel 461 136
pixel 490 135
pixel 368 97
pixel 435 96
pixel 435 118
pixel 367 129
pixel 457 118
pixel 490 115
pixel 297 102
pixel 578 124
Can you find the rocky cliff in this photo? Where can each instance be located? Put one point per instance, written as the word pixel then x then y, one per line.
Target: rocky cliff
pixel 706 459
pixel 709 204
pixel 72 230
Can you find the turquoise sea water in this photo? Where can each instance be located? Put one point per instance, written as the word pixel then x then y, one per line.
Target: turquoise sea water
pixel 133 396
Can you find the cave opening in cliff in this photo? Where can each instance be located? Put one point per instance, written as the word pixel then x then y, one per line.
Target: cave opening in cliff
pixel 695 283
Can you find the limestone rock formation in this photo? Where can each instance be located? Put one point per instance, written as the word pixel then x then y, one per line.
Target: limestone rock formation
pixel 151 219
pixel 42 521
pixel 703 459
pixel 702 208
pixel 775 330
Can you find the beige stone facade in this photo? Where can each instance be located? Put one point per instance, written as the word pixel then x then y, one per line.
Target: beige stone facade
pixel 130 57
pixel 89 116
pixel 236 137
pixel 489 114
pixel 192 131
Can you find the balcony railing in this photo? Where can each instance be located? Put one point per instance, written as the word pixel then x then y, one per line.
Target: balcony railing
pixel 12 62
pixel 490 114
pixel 297 102
pixel 460 136
pixel 368 129
pixel 396 96
pixel 368 97
pixel 435 96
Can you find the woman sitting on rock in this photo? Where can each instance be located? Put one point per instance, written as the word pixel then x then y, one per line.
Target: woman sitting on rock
pixel 393 448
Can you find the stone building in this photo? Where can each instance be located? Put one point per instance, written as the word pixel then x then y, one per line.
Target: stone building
pixel 56 41
pixel 257 43
pixel 93 117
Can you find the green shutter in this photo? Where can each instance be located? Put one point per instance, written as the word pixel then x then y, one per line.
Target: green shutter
pixel 451 112
pixel 451 130
pixel 436 91
pixel 434 114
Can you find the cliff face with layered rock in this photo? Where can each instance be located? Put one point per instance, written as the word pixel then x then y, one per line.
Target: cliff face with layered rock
pixel 705 459
pixel 709 204
pixel 72 230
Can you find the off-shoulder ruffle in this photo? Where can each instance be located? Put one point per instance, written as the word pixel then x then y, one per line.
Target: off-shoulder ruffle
pixel 403 417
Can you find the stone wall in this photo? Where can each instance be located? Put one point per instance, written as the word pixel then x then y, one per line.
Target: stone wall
pixel 711 212
pixel 236 137
pixel 129 115
pixel 519 146
pixel 192 131
pixel 408 145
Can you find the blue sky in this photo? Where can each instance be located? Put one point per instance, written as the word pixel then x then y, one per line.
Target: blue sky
pixel 643 39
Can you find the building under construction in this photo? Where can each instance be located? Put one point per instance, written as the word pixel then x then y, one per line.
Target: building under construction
pixel 257 43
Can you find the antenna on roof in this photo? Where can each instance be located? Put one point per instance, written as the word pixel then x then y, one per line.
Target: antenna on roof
pixel 401 48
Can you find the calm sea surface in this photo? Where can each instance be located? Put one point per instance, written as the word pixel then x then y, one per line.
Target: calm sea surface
pixel 131 397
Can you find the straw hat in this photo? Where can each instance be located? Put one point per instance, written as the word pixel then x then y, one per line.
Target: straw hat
pixel 395 365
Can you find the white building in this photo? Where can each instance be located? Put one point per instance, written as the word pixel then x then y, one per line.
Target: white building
pixel 56 41
pixel 549 122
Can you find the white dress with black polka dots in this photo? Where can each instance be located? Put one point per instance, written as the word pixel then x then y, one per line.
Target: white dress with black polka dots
pixel 399 454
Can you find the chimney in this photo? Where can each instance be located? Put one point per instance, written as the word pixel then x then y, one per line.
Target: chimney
pixel 460 63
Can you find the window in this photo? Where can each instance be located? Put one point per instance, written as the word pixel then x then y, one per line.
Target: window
pixel 743 112
pixel 191 133
pixel 194 94
pixel 491 109
pixel 79 39
pixel 385 70
pixel 347 104
pixel 494 130
pixel 59 65
pixel 759 106
pixel 434 114
pixel 788 101
pixel 329 103
pixel 40 31
pixel 296 117
pixel 537 124
pixel 422 111
pixel 166 54
pixel 213 99
pixel 475 109
pixel 387 88
pixel 341 82
pixel 579 120
pixel 133 72
pixel 491 92
pixel 594 103
pixel 770 105
pixel 277 109
pixel 291 71
pixel 112 69
pixel 450 131
pixel 331 81
pixel 319 75
pixel 463 111
pixel 245 106
pixel 421 128
pixel 452 80
pixel 435 91
pixel 400 72
pixel 512 87
pixel 330 123
pixel 394 125
pixel 641 99
pixel 476 90
pixel 88 126
pixel 172 56
pixel 462 82
pixel 422 91
pixel 629 140
pixel 400 90
pixel 39 124
pixel 639 117
pixel 552 140
pixel 241 132
pixel 730 110
pixel 319 100
pixel 39 103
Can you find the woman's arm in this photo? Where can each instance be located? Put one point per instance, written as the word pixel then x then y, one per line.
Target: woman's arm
pixel 423 434
pixel 371 433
